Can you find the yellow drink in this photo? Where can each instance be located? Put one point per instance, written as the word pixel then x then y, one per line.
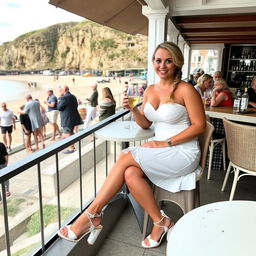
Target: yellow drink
pixel 133 101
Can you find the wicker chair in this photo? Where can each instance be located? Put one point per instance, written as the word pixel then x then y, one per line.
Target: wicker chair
pixel 186 199
pixel 241 144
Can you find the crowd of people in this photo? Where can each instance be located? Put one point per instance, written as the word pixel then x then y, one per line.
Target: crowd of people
pixel 34 116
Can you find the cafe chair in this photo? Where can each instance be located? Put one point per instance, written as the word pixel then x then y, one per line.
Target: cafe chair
pixel 241 147
pixel 185 199
pixel 213 143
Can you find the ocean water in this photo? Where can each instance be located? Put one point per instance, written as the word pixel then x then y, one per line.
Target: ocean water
pixel 12 90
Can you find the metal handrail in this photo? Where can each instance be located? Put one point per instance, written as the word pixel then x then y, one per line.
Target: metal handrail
pixel 36 158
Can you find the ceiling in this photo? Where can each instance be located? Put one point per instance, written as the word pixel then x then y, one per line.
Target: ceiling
pixel 201 29
pixel 126 15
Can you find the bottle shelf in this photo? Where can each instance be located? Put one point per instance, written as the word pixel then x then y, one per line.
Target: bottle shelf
pixel 241 65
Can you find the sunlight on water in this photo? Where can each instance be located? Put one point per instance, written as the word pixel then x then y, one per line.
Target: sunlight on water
pixel 12 90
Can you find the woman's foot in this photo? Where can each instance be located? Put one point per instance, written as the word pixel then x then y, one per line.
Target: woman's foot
pixel 52 139
pixel 86 223
pixel 159 230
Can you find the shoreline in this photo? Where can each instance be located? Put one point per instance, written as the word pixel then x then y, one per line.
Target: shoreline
pixel 81 89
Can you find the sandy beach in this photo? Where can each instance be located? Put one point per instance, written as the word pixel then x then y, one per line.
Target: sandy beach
pixel 80 88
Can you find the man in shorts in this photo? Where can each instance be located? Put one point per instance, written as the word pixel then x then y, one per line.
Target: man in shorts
pixel 69 115
pixel 7 123
pixel 53 113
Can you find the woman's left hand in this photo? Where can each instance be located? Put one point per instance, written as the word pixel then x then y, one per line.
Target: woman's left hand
pixel 155 144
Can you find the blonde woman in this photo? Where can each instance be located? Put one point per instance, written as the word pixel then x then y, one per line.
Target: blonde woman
pixel 107 105
pixel 203 86
pixel 170 161
pixel 221 96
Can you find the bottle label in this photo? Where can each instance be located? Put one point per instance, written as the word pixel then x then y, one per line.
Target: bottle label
pixel 244 104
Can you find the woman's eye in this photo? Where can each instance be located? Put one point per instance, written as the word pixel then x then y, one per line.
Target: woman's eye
pixel 157 61
pixel 168 61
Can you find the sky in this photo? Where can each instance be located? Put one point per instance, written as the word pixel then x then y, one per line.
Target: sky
pixel 21 16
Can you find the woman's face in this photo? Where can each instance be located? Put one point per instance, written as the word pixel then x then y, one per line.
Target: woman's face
pixel 218 86
pixel 207 83
pixel 163 64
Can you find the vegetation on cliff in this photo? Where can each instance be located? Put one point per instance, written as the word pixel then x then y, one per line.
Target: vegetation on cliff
pixel 72 45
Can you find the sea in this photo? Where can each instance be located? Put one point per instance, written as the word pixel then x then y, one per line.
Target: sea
pixel 13 90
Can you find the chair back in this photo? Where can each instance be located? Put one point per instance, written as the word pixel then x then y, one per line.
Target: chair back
pixel 204 141
pixel 241 143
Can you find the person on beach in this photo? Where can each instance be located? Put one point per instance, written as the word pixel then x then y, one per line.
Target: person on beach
pixel 27 129
pixel 69 115
pixel 91 111
pixel 7 123
pixel 32 108
pixel 3 163
pixel 107 105
pixel 44 117
pixel 170 160
pixel 53 113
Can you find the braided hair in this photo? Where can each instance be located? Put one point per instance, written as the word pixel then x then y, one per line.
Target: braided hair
pixel 178 61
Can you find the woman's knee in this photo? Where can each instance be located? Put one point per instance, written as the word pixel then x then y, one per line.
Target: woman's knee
pixel 131 175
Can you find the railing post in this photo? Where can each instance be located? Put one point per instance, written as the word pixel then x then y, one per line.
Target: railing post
pixel 41 205
pixel 6 224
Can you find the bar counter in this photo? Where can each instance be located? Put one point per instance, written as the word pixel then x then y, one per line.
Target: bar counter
pixel 221 112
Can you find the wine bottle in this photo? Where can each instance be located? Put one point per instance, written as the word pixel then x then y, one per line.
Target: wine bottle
pixel 237 101
pixel 244 101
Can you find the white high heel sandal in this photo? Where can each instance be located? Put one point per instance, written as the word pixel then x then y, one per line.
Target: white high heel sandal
pixel 93 230
pixel 153 243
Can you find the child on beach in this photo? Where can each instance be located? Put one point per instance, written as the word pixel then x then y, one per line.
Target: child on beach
pixel 27 129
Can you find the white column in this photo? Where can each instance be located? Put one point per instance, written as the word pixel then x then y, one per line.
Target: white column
pixel 172 32
pixel 156 35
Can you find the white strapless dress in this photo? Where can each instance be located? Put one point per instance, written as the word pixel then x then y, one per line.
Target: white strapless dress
pixel 172 168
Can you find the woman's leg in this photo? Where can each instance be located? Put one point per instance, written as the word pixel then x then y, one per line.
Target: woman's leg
pixel 111 186
pixel 142 192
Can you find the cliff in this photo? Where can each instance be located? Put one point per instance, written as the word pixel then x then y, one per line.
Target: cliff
pixel 83 45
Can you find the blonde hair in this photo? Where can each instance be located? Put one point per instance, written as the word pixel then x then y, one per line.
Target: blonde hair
pixel 178 61
pixel 222 82
pixel 203 78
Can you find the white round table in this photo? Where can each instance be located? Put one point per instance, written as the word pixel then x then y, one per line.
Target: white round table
pixel 119 131
pixel 219 229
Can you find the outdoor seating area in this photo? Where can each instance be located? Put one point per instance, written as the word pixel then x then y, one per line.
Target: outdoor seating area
pixel 181 147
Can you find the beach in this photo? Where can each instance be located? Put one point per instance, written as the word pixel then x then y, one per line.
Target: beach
pixel 80 87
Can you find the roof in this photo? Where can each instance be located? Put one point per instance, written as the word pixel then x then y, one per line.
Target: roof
pixel 199 21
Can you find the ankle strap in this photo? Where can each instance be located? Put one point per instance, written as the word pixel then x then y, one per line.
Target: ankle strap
pixel 164 216
pixel 93 215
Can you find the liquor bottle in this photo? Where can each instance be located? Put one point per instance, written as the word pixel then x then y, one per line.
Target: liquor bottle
pixel 244 101
pixel 237 101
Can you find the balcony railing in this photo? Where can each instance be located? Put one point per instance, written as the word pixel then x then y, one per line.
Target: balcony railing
pixel 64 170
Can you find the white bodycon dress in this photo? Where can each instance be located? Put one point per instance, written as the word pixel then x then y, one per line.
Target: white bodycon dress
pixel 172 168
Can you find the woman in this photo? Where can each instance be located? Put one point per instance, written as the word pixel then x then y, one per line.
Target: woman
pixel 178 115
pixel 204 87
pixel 221 96
pixel 108 104
pixel 252 93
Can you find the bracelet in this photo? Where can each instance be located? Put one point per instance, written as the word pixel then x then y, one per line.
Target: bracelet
pixel 169 142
